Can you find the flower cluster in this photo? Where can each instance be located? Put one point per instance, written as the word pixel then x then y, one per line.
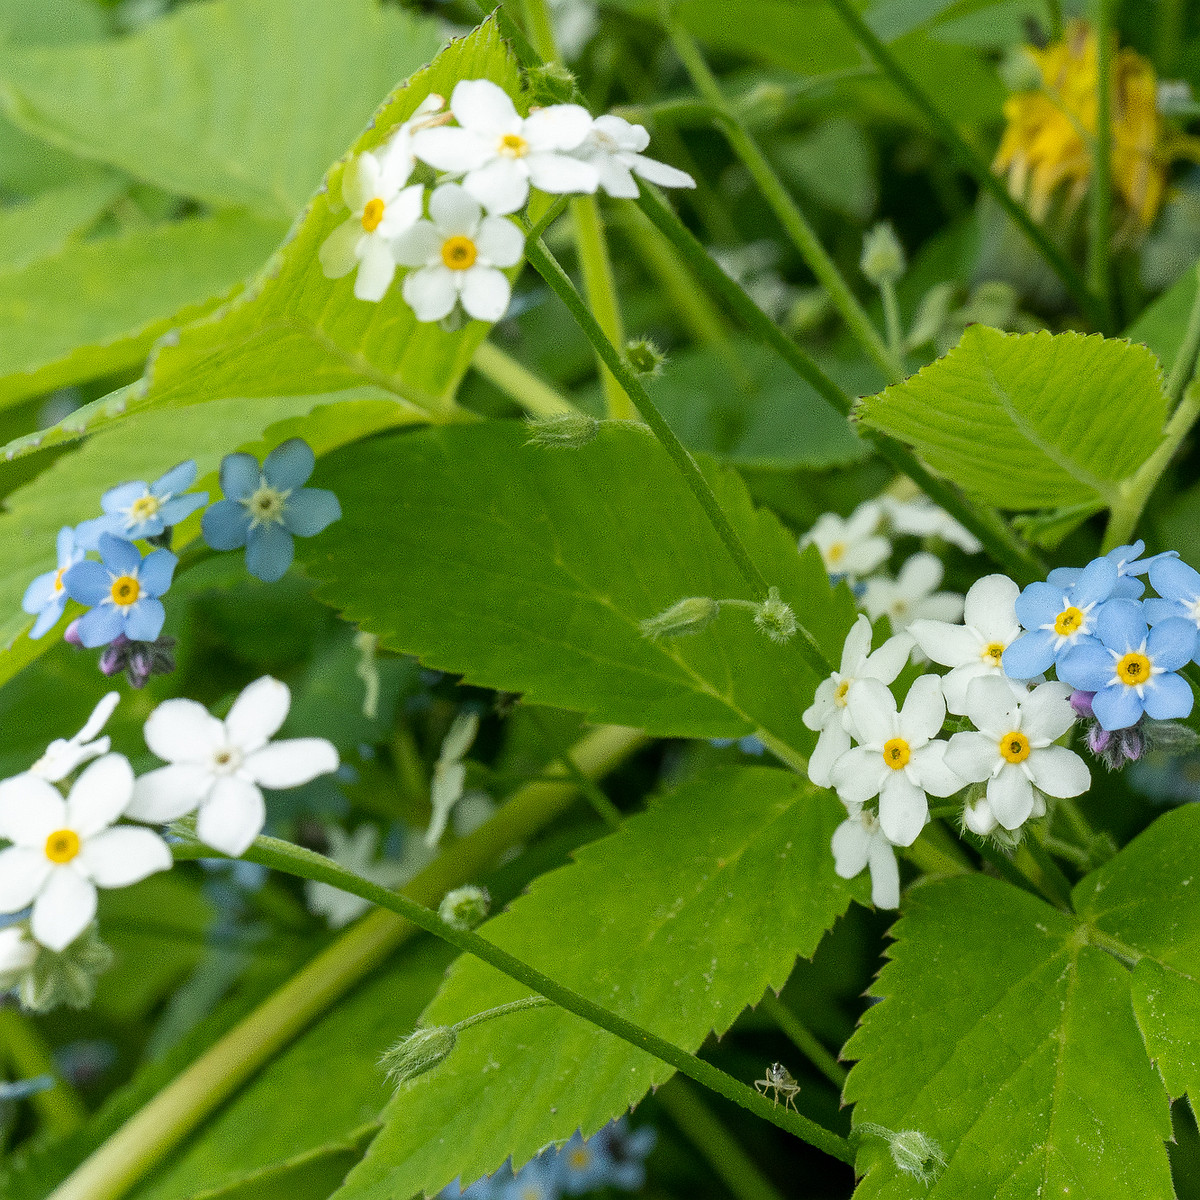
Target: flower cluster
pixel 457 239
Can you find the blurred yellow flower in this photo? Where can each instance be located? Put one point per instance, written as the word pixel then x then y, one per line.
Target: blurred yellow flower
pixel 1047 141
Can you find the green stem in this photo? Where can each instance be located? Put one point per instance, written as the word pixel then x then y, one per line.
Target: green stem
pixel 605 809
pixel 501 1010
pixel 715 1144
pixel 1172 23
pixel 151 1133
pixel 306 864
pixel 1005 867
pixel 804 1040
pixel 973 164
pixel 935 852
pixel 60 1110
pixel 1100 208
pixel 1055 886
pixel 1184 366
pixel 519 383
pixel 1080 826
pixel 1056 19
pixel 891 319
pixel 785 208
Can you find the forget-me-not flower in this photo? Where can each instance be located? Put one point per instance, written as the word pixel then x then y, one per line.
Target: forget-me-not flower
pixel 1132 668
pixel 263 508
pixel 46 596
pixel 1178 585
pixel 144 510
pixel 122 591
pixel 1129 563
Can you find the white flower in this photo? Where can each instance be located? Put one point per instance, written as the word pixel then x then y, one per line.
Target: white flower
pixel 1014 750
pixel 499 154
pixel 458 253
pixel 859 841
pixel 922 518
pixel 356 852
pixel 218 766
pixel 64 849
pixel 851 546
pixel 829 712
pixel 63 755
pixel 898 760
pixel 912 595
pixel 17 955
pixel 614 147
pixel 450 773
pixel 975 648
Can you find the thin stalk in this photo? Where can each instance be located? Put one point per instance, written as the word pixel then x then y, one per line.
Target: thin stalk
pixel 501 1010
pixel 1184 366
pixel 1080 826
pixel 545 264
pixel 604 808
pixel 974 165
pixel 306 864
pixel 804 1040
pixel 59 1109
pixel 1005 867
pixel 715 1144
pixel 1068 851
pixel 1100 207
pixel 1172 22
pixel 1056 19
pixel 936 852
pixel 1055 885
pixel 794 222
pixel 519 383
pixel 156 1129
pixel 891 319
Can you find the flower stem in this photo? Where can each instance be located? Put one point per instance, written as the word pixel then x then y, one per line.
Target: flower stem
pixel 151 1133
pixel 1100 208
pixel 804 1040
pixel 891 319
pixel 501 1010
pixel 974 165
pixel 1184 366
pixel 519 383
pixel 59 1108
pixel 306 864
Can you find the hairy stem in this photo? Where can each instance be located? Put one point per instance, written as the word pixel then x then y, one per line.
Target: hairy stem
pixel 1100 206
pixel 519 383
pixel 804 1040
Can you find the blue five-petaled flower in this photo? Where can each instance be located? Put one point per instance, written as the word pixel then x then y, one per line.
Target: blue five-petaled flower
pixel 46 596
pixel 144 510
pixel 1129 563
pixel 263 508
pixel 122 592
pixel 1179 586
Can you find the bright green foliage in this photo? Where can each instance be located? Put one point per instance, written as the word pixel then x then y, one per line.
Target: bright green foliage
pixel 528 569
pixel 97 307
pixel 1007 1038
pixel 235 103
pixel 1029 420
pixel 1161 325
pixel 41 227
pixel 677 921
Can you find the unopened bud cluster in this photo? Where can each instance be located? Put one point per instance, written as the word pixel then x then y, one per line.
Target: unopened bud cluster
pixel 645 358
pixel 421 1051
pixel 465 908
pixel 685 617
pixel 775 618
pixel 882 255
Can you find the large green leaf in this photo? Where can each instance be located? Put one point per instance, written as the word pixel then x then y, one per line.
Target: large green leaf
pixel 1009 1039
pixel 528 569
pixel 236 102
pixel 41 227
pixel 677 921
pixel 1161 326
pixel 1030 420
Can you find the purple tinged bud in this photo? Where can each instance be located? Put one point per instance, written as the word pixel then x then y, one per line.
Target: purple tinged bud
pixel 1098 739
pixel 112 659
pixel 72 634
pixel 1081 702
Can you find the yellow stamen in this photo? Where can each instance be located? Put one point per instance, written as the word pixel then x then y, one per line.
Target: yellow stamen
pixel 143 508
pixel 580 1158
pixel 512 145
pixel 372 215
pixel 1069 621
pixel 993 652
pixel 1014 747
pixel 62 846
pixel 839 695
pixel 58 579
pixel 1133 669
pixel 896 753
pixel 125 591
pixel 835 553
pixel 459 253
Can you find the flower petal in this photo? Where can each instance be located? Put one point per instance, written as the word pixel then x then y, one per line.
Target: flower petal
pixel 903 809
pixel 22 873
pixel 118 499
pixel 454 211
pixel 144 621
pixel 178 508
pixel 1175 580
pixel 119 555
pixel 557 127
pixel 88 582
pixel 1059 772
pixel 232 816
pixel 885 874
pixel 972 756
pixel 1168 697
pixel 178 479
pixel 1039 604
pixel 1171 643
pixel 240 476
pixel 562 175
pixel 168 793
pixel 124 855
pixel 1095 583
pixel 501 185
pixel 480 104
pixel 184 731
pixel 291 762
pixel 1010 796
pixel 857 647
pixel 1086 665
pixel 100 795
pixel 872 711
pixel 1117 707
pixel 957 682
pixel 924 710
pixel 831 745
pixel 661 173
pixel 30 810
pixel 991 607
pixel 430 292
pixel 851 848
pixel 269 552
pixel 932 773
pixel 64 908
pixel 626 135
pixel 500 242
pixel 289 465
pixel 48 617
pixel 615 177
pixel 485 293
pixel 156 571
pixel 100 626
pixel 949 645
pixel 40 592
pixel 376 270
pixel 257 714
pixel 1046 714
pixel 226 524
pixel 1121 625
pixel 450 149
pixel 418 245
pixel 991 705
pixel 310 510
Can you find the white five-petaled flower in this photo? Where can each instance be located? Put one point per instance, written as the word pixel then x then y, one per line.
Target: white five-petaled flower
pixel 614 147
pixel 850 546
pixel 976 647
pixel 912 594
pixel 499 154
pixel 1013 749
pixel 859 841
pixel 218 766
pixel 458 253
pixel 64 849
pixel 899 761
pixel 829 712
pixel 922 518
pixel 63 755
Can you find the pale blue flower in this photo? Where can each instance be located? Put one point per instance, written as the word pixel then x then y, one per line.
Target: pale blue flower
pixel 1179 586
pixel 46 596
pixel 145 510
pixel 1129 563
pixel 122 592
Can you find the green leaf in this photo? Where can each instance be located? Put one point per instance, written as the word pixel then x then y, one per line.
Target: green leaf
pixel 97 307
pixel 1029 420
pixel 677 921
pixel 42 227
pixel 235 103
pixel 528 569
pixel 1162 325
pixel 1007 1038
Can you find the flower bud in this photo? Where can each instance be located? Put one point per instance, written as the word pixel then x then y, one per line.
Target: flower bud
pixel 882 255
pixel 465 908
pixel 1114 748
pixel 67 978
pixel 686 617
pixel 569 429
pixel 775 618
pixel 917 1155
pixel 645 358
pixel 71 634
pixel 1081 702
pixel 421 1051
pixel 550 83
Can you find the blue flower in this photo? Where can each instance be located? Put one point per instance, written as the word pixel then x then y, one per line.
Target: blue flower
pixel 263 509
pixel 145 510
pixel 583 1165
pixel 1058 616
pixel 1179 586
pixel 46 596
pixel 536 1180
pixel 1129 564
pixel 1132 668
pixel 122 591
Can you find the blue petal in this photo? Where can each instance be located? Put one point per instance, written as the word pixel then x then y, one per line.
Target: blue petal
pixel 1155 610
pixel 64 545
pixel 99 626
pixel 119 555
pixel 310 510
pixel 179 508
pixel 1029 655
pixel 1064 577
pixel 1038 605
pixel 156 572
pixel 87 533
pixel 49 615
pixel 1086 665
pixel 1096 583
pixel 239 476
pixel 1175 580
pixel 1126 556
pixel 1121 625
pixel 119 498
pixel 177 479
pixel 39 593
pixel 1154 559
pixel 1168 696
pixel 148 528
pixel 1171 643
pixel 88 582
pixel 289 465
pixel 1128 587
pixel 1117 707
pixel 226 524
pixel 144 621
pixel 269 552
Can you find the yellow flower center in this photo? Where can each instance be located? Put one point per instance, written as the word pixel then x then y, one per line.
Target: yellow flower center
pixel 896 753
pixel 836 552
pixel 143 508
pixel 993 652
pixel 513 145
pixel 1133 669
pixel 58 577
pixel 266 505
pixel 62 846
pixel 125 591
pixel 372 215
pixel 1014 747
pixel 580 1158
pixel 459 253
pixel 1069 621
pixel 839 695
